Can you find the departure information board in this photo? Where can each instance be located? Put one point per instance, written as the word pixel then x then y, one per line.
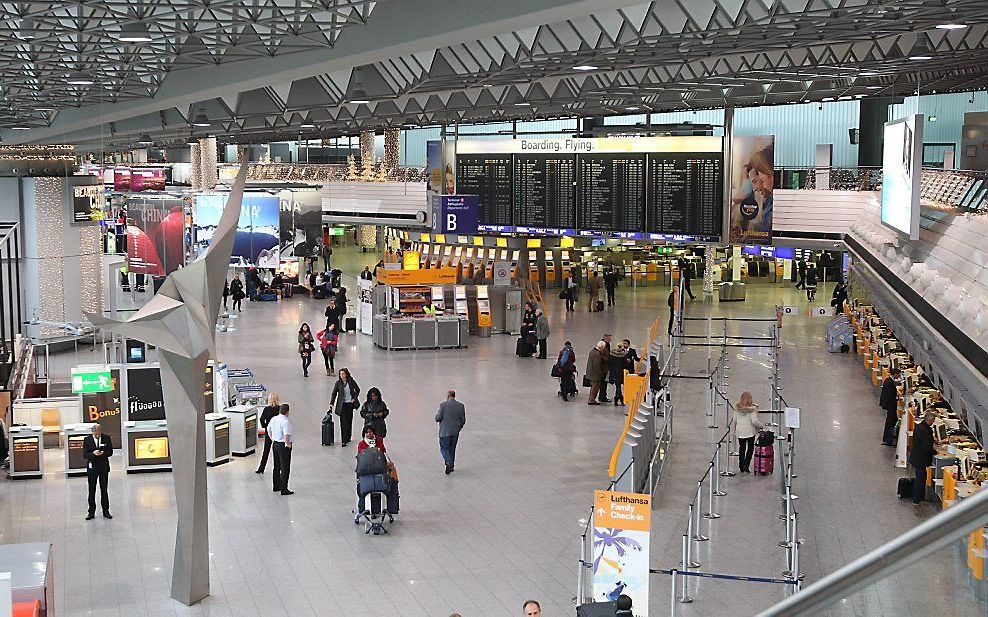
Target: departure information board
pixel 545 193
pixel 489 177
pixel 611 193
pixel 685 193
pixel 621 187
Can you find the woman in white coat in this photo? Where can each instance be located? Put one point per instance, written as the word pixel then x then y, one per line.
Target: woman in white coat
pixel 746 426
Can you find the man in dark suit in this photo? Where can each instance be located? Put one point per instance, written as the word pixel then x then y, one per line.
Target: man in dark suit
pixel 97 449
pixel 921 455
pixel 610 284
pixel 889 401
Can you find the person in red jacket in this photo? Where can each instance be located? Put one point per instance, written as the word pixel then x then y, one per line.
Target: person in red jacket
pixel 370 440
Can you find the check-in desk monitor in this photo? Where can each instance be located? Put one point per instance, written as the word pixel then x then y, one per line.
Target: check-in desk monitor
pixel 460 298
pixel 438 299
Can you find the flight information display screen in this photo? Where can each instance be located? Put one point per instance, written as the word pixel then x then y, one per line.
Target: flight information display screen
pixel 685 193
pixel 619 187
pixel 545 192
pixel 489 177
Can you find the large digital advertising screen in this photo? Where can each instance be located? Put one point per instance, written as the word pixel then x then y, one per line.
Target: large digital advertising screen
pixel 154 230
pixel 902 168
pixel 301 223
pixel 258 230
pixel 752 189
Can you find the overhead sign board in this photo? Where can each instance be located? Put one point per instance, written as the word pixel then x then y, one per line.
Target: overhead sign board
pixel 591 145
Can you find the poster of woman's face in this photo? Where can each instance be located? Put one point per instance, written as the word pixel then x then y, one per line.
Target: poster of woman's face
pixel 752 187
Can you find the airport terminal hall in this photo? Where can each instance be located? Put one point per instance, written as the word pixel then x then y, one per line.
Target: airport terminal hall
pixel 409 308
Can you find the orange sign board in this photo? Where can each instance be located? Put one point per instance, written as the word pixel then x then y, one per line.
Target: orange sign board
pixel 484 320
pixel 411 260
pixel 433 276
pixel 613 510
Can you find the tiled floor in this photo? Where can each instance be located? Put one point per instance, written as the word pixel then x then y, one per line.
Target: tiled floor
pixel 505 526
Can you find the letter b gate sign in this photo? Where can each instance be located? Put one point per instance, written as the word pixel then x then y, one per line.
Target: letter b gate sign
pixel 454 214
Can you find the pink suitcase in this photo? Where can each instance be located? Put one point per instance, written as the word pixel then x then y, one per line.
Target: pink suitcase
pixel 764 460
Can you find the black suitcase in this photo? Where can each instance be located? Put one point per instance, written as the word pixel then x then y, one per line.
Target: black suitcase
pixel 523 349
pixel 328 430
pixel 600 306
pixel 350 324
pixel 905 488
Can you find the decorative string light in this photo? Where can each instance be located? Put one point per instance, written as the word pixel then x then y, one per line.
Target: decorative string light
pixel 195 174
pixel 392 149
pixel 366 149
pixel 208 162
pixel 50 246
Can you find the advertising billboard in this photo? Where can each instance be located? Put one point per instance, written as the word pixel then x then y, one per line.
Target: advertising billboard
pixel 300 220
pixel 154 231
pixel 752 189
pixel 137 180
pixel 258 230
pixel 145 400
pixel 902 170
pixel 103 408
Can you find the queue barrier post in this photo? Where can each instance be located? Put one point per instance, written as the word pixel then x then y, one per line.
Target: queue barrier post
pixel 710 514
pixel 685 596
pixel 698 534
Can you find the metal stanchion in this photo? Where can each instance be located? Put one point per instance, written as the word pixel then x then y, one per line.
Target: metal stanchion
pixel 717 475
pixel 688 552
pixel 710 514
pixel 697 535
pixel 672 593
pixel 712 423
pixel 685 597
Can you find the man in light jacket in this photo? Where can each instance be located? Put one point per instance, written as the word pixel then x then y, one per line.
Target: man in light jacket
pixel 541 331
pixel 452 417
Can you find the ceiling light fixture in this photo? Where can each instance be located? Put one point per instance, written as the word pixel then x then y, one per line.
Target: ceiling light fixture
pixel 585 67
pixel 523 104
pixel 25 30
pixel 359 101
pixel 873 87
pixel 145 139
pixel 921 50
pixel 307 126
pixel 79 78
pixel 632 108
pixel 200 119
pixel 20 128
pixel 951 26
pixel 869 74
pixel 135 32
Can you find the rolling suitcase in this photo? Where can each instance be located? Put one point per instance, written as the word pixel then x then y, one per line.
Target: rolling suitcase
pixel 328 430
pixel 523 349
pixel 905 488
pixel 350 324
pixel 764 460
pixel 600 306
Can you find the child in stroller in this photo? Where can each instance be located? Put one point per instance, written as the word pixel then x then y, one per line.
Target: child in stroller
pixel 377 486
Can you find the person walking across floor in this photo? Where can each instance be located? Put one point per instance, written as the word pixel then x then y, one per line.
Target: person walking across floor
pixel 343 401
pixel 812 277
pixel 282 439
pixel 97 449
pixel 616 364
pixel 801 271
pixel 610 284
pixel 541 332
pixel 921 455
pixel 839 297
pixel 306 345
pixel 329 342
pixel 593 291
pixel 374 412
pixel 889 401
pixel 684 271
pixel 566 370
pixel 270 410
pixel 746 426
pixel 237 292
pixel 596 371
pixel 606 360
pixel 226 292
pixel 452 417
pixel 570 289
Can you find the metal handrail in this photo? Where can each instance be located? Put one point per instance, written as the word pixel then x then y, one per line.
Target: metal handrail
pixel 912 546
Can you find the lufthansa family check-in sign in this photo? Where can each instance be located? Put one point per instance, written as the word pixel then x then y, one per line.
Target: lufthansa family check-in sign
pixel 621 528
pixel 455 213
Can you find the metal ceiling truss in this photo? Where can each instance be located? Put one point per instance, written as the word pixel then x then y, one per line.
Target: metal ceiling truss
pixel 43 43
pixel 654 56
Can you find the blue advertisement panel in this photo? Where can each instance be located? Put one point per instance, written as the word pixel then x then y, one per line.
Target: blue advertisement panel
pixel 256 243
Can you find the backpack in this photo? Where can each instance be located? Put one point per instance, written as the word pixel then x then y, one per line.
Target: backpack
pixel 371 461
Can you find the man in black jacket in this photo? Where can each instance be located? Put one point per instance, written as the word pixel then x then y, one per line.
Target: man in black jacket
pixel 610 284
pixel 97 448
pixel 889 401
pixel 921 455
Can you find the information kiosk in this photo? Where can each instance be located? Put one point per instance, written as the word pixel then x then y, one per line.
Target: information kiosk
pixel 243 429
pixel 217 439
pixel 26 446
pixel 73 437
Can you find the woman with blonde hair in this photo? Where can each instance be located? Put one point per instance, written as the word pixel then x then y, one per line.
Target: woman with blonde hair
pixel 272 409
pixel 746 426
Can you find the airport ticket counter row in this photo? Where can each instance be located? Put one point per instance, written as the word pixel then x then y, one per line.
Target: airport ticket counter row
pixel 130 409
pixel 960 466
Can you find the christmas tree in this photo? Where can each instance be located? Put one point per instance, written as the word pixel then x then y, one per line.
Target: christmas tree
pixel 351 174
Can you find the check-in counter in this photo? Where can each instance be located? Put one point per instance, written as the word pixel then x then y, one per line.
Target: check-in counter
pixel 217 439
pixel 73 437
pixel 26 446
pixel 445 331
pixel 243 429
pixel 146 446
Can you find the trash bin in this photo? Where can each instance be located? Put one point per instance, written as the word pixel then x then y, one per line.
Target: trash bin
pixel 484 331
pixel 731 291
